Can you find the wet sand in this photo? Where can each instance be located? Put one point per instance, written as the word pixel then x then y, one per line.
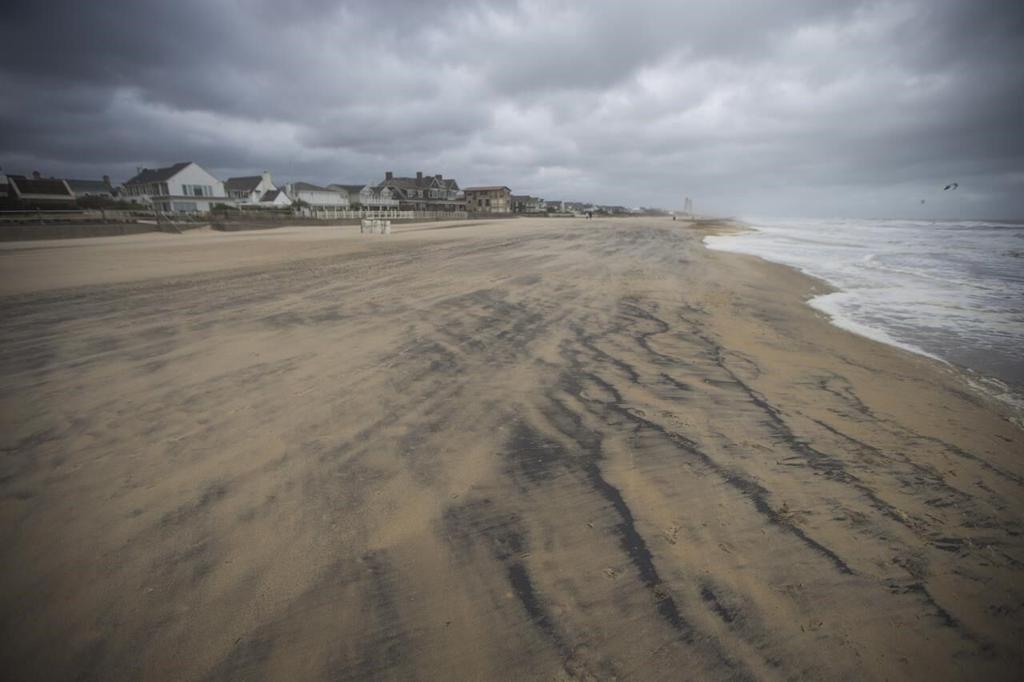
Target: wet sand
pixel 530 449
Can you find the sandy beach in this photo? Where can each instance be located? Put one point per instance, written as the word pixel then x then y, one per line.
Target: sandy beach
pixel 519 449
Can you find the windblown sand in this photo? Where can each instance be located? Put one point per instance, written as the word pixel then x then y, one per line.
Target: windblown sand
pixel 529 449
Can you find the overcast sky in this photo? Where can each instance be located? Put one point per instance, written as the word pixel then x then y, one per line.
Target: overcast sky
pixel 781 108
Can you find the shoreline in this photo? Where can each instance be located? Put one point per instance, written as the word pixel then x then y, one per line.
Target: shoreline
pixel 994 388
pixel 536 448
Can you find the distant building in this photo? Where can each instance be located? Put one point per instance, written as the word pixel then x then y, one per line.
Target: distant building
pixel 524 203
pixel 495 199
pixel 315 196
pixel 91 188
pixel 424 193
pixel 37 190
pixel 182 188
pixel 249 190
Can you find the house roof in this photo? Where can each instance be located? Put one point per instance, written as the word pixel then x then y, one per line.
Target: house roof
pixel 309 187
pixel 404 183
pixel 148 175
pixel 89 186
pixel 491 188
pixel 244 184
pixel 418 183
pixel 44 187
pixel 347 188
pixel 270 195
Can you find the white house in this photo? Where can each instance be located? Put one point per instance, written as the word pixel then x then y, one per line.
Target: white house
pixel 249 190
pixel 316 196
pixel 182 188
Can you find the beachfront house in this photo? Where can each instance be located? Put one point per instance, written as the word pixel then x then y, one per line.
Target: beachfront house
pixel 249 190
pixel 275 198
pixel 185 187
pixel 38 191
pixel 424 192
pixel 492 199
pixel 524 203
pixel 367 196
pixel 91 188
pixel 315 196
pixel 351 192
pixel 610 210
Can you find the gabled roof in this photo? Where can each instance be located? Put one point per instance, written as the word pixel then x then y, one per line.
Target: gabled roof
pixel 244 184
pixel 401 183
pixel 352 189
pixel 418 183
pixel 50 188
pixel 270 195
pixel 309 187
pixel 490 188
pixel 89 186
pixel 148 175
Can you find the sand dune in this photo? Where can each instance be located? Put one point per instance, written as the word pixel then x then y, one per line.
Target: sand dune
pixel 531 449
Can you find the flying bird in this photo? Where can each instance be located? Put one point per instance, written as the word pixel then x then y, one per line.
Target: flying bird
pixel 952 185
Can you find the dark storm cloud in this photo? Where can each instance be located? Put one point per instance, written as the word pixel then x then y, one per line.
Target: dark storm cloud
pixel 763 107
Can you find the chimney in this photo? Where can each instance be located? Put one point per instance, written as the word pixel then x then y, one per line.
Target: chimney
pixel 438 176
pixel 388 175
pixel 36 175
pixel 106 180
pixel 266 177
pixel 419 177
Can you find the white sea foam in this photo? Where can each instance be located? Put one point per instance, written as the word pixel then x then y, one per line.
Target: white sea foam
pixel 953 291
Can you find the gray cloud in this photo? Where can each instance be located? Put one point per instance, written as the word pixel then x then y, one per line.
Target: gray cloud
pixel 805 107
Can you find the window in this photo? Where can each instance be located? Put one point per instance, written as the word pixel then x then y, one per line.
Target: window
pixel 197 190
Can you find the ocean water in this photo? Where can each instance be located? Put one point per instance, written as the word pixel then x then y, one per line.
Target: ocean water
pixel 952 290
